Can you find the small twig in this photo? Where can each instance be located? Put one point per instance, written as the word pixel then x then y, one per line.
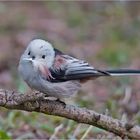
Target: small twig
pixel 87 132
pixel 128 94
pixel 77 130
pixel 57 129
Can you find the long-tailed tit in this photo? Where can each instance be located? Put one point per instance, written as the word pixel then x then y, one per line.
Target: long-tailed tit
pixel 56 74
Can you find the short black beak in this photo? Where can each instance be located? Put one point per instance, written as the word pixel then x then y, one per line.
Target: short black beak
pixel 28 59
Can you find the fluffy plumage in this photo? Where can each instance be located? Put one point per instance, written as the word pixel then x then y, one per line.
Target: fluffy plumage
pixel 50 71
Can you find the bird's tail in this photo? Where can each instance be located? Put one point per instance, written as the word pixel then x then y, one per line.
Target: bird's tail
pixel 122 72
pixel 85 73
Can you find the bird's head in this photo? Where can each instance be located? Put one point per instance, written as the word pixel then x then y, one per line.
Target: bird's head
pixel 39 52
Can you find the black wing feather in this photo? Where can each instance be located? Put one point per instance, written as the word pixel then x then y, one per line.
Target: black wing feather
pixel 77 70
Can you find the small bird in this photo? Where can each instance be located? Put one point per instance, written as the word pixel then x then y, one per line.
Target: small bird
pixel 48 70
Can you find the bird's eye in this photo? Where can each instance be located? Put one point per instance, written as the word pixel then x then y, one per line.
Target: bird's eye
pixel 43 56
pixel 33 57
pixel 29 53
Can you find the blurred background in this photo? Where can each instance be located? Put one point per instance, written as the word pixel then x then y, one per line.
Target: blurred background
pixel 106 34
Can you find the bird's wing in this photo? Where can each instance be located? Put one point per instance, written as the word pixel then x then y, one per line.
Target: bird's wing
pixel 69 68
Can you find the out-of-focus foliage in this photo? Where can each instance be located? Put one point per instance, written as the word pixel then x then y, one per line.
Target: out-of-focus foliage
pixel 106 34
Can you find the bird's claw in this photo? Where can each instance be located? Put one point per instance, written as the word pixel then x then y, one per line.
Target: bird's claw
pixel 58 100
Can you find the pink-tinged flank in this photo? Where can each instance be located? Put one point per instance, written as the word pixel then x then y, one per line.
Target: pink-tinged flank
pixel 45 72
pixel 59 61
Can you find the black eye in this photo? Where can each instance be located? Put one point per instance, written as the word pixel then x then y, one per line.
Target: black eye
pixel 29 53
pixel 33 57
pixel 43 56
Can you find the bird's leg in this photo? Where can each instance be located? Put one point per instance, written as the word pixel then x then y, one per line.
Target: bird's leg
pixel 49 98
pixel 55 99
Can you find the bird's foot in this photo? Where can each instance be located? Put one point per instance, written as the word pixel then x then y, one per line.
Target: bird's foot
pixel 62 102
pixel 55 99
pixel 46 97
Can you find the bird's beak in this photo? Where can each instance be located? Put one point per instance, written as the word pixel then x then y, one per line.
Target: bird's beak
pixel 34 63
pixel 28 59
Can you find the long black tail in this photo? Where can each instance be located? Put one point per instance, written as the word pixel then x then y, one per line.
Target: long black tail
pixel 123 72
pixel 81 74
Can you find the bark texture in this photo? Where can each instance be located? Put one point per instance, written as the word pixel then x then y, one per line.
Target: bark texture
pixel 36 102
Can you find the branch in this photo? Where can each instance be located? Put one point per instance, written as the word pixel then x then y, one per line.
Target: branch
pixel 36 102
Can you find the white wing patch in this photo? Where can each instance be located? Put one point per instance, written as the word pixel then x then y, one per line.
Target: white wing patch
pixel 78 66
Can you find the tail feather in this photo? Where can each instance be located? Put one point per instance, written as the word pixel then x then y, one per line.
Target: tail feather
pixel 123 72
pixel 81 74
